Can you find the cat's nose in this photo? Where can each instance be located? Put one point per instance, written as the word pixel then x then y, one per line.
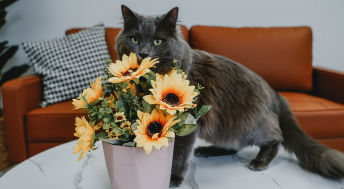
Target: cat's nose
pixel 143 55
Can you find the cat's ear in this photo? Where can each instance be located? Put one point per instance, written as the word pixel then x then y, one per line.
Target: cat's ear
pixel 129 16
pixel 170 18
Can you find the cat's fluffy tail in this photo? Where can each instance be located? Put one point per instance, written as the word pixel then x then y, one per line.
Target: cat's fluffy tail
pixel 311 155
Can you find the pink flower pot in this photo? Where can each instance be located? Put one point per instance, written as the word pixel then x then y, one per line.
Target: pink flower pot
pixel 132 168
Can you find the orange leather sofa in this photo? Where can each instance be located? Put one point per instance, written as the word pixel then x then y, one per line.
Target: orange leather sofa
pixel 282 56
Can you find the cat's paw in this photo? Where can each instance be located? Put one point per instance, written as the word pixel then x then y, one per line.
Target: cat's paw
pixel 201 152
pixel 176 181
pixel 207 151
pixel 256 165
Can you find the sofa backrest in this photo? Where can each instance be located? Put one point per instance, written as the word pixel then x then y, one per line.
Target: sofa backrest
pixel 111 34
pixel 281 55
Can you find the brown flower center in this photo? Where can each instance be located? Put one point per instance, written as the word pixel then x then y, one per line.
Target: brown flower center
pixel 154 127
pixel 130 71
pixel 119 118
pixel 171 99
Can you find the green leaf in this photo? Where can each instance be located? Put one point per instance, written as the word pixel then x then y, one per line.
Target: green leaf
pixel 121 109
pixel 136 81
pixel 106 126
pixel 190 119
pixel 102 110
pixel 182 118
pixel 93 140
pixel 134 126
pixel 108 110
pixel 120 100
pixel 125 136
pixel 146 76
pixel 204 109
pixel 101 135
pixel 100 115
pixel 108 61
pixel 186 129
pixel 171 129
pixel 114 141
pixel 130 144
pixel 117 130
pixel 107 118
pixel 147 107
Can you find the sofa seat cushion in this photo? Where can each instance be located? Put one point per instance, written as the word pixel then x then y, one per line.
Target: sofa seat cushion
pixel 54 123
pixel 319 117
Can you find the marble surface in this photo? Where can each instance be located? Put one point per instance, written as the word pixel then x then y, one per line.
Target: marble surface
pixel 58 168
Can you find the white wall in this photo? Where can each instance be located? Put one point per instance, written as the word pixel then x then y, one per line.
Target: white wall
pixel 44 19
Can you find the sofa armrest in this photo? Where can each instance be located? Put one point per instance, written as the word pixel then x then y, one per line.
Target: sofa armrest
pixel 329 84
pixel 19 96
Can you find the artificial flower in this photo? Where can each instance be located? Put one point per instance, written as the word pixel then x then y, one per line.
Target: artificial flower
pixel 85 132
pixel 125 124
pixel 119 116
pixel 131 87
pixel 129 69
pixel 153 130
pixel 89 94
pixel 111 101
pixel 172 92
pixel 98 125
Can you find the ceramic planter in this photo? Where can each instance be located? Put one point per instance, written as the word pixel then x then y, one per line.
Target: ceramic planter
pixel 132 168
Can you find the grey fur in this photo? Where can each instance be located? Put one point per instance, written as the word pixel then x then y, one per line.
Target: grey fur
pixel 246 110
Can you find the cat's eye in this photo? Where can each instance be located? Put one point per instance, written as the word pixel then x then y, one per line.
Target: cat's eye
pixel 157 42
pixel 134 40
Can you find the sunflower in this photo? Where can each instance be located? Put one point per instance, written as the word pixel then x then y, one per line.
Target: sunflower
pixel 152 130
pixel 85 133
pixel 173 71
pixel 89 95
pixel 172 92
pixel 127 125
pixel 128 69
pixel 120 117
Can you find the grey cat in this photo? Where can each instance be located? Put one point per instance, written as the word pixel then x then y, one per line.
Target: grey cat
pixel 246 110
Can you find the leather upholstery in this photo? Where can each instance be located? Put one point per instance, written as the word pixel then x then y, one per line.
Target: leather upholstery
pixel 282 56
pixel 19 96
pixel 50 121
pixel 329 84
pixel 319 117
pixel 31 129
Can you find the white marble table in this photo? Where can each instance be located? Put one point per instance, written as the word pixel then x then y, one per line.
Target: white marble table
pixel 58 168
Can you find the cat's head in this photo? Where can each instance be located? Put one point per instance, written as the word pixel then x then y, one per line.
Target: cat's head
pixel 153 36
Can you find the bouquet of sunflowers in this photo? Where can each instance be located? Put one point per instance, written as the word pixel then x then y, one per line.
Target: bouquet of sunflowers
pixel 136 107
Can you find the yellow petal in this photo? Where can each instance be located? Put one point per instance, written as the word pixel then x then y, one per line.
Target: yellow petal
pixel 170 134
pixel 116 79
pixel 155 136
pixel 148 148
pixel 149 99
pixel 170 111
pixel 133 60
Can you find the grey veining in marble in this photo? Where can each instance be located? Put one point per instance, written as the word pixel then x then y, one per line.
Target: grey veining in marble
pixel 78 177
pixel 38 165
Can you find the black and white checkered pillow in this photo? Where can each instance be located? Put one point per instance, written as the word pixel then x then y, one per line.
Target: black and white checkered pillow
pixel 68 64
